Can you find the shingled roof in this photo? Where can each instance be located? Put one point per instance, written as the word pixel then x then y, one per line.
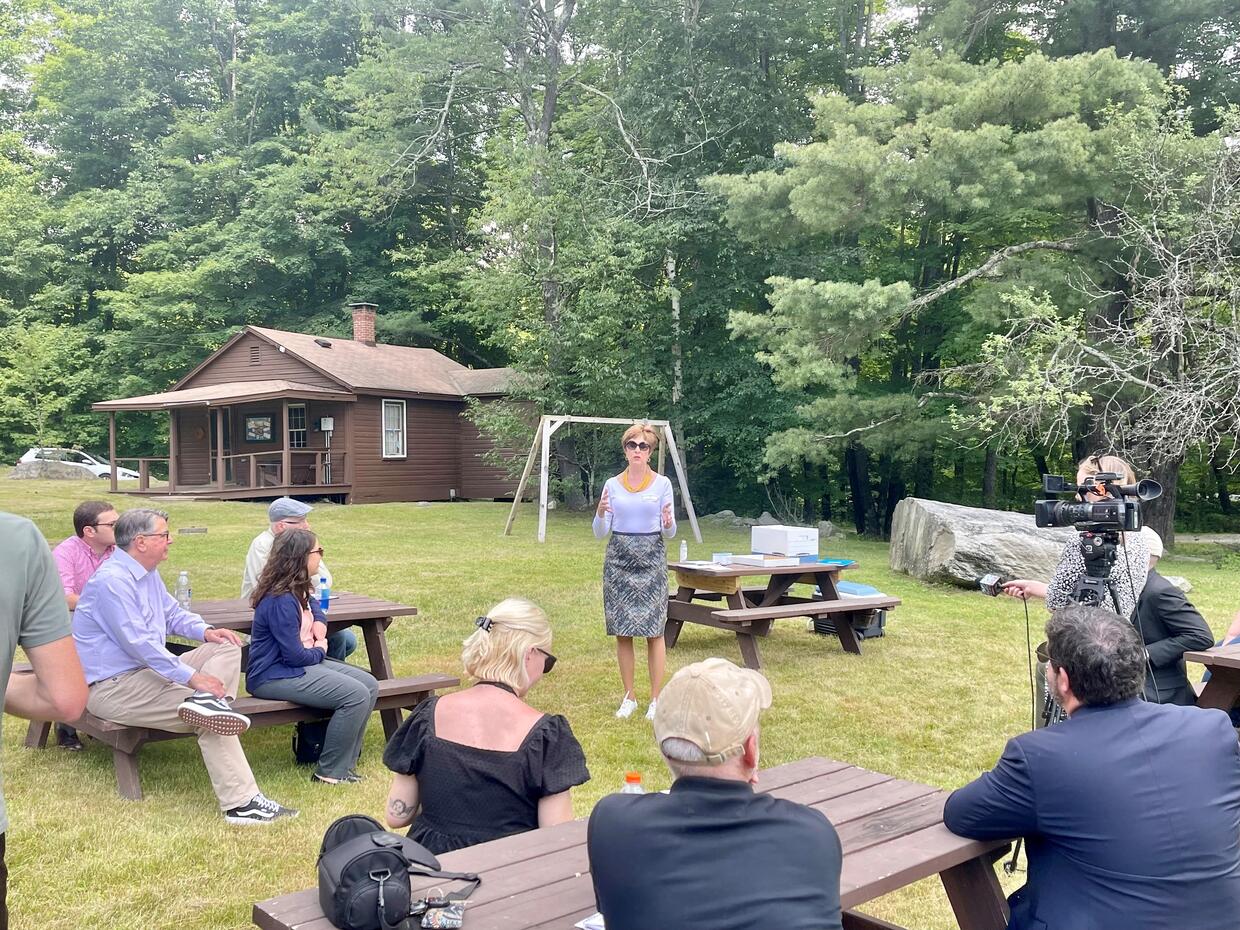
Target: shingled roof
pixel 364 367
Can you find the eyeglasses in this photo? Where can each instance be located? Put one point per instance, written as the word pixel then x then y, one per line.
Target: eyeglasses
pixel 634 446
pixel 548 660
pixel 165 534
pixel 318 551
pixel 113 523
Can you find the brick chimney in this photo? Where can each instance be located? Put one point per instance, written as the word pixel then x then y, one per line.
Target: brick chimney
pixel 363 322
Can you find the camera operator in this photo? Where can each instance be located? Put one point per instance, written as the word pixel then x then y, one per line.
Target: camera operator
pixel 1133 558
pixel 1170 627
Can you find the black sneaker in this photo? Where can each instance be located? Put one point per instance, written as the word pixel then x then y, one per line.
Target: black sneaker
pixel 67 738
pixel 207 712
pixel 260 810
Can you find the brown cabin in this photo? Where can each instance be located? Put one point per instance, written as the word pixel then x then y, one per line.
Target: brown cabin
pixel 272 413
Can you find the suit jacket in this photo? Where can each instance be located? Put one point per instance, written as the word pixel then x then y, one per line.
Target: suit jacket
pixel 1131 813
pixel 1170 627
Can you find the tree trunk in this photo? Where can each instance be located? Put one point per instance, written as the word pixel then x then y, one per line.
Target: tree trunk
pixel 865 515
pixel 1220 484
pixel 1159 514
pixel 1039 462
pixel 923 474
pixel 988 476
pixel 958 478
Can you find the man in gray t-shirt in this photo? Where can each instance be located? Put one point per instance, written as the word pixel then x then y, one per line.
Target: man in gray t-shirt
pixel 33 615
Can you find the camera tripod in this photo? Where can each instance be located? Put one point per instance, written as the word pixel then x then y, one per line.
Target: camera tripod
pixel 1095 589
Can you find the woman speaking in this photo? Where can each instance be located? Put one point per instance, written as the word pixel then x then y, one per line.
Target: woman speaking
pixel 636 508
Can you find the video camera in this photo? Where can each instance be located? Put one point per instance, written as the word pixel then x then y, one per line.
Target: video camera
pixel 1122 511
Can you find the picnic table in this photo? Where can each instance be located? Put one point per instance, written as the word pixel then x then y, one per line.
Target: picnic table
pixel 750 611
pixel 1223 688
pixel 891 830
pixel 373 615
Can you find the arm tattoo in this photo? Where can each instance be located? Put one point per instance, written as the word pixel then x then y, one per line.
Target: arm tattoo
pixel 399 807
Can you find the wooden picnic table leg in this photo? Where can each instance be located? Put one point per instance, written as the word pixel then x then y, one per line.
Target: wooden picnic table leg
pixel 128 783
pixel 776 588
pixel 671 630
pixel 744 637
pixel 1220 691
pixel 36 734
pixel 976 898
pixel 842 622
pixel 381 666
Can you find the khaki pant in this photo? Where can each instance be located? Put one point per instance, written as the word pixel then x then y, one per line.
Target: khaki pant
pixel 143 698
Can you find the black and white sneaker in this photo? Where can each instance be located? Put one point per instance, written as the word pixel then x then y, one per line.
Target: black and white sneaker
pixel 259 809
pixel 207 712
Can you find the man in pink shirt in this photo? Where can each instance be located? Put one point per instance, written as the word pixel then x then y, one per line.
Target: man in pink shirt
pixel 93 540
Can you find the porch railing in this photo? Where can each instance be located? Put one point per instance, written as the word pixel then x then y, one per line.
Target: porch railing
pixel 304 468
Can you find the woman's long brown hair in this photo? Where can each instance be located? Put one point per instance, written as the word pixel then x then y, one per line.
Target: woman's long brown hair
pixel 285 571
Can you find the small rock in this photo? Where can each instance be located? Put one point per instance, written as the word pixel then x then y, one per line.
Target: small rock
pixel 424 503
pixel 766 519
pixel 723 515
pixel 744 522
pixel 826 529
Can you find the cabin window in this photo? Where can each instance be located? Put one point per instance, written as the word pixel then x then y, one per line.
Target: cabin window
pixel 297 426
pixel 393 429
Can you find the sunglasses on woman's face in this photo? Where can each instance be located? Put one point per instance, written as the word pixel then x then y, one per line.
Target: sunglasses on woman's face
pixel 318 551
pixel 548 660
pixel 634 446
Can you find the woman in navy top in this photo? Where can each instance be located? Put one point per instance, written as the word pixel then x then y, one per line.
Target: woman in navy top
pixel 288 655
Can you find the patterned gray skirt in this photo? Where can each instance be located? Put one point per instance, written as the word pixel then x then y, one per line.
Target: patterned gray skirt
pixel 635 585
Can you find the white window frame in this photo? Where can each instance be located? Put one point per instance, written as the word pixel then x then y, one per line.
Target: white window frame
pixel 304 430
pixel 383 430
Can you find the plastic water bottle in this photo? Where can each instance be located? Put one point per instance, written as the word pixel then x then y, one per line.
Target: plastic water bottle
pixel 632 783
pixel 684 550
pixel 184 592
pixel 325 593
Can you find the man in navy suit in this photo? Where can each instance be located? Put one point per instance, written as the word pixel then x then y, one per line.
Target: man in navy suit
pixel 1131 810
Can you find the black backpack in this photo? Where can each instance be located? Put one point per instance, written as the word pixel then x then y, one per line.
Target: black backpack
pixel 364 876
pixel 308 739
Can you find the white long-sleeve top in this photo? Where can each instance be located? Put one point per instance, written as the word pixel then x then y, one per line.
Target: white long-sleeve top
pixel 636 511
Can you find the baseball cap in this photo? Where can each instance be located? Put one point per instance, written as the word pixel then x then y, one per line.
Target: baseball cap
pixel 714 705
pixel 285 508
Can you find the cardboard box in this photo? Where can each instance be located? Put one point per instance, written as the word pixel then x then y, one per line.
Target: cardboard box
pixel 784 540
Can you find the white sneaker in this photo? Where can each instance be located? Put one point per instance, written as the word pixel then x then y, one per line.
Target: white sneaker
pixel 627 706
pixel 650 710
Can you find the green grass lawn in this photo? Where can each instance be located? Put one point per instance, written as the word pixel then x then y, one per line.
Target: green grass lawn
pixel 933 701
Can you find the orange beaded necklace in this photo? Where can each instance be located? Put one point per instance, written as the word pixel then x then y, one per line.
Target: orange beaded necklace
pixel 645 482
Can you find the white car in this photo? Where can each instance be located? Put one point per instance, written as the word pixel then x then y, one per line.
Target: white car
pixel 98 467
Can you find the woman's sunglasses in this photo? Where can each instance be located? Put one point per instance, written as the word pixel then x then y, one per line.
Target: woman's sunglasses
pixel 318 551
pixel 548 660
pixel 634 446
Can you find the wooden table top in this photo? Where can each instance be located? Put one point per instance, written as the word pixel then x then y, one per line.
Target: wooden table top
pixel 1218 657
pixel 891 830
pixel 735 570
pixel 237 613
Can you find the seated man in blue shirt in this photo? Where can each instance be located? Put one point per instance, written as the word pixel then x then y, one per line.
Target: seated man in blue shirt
pixel 120 627
pixel 1131 810
pixel 712 852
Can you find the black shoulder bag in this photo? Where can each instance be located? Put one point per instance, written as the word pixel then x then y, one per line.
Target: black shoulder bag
pixel 364 875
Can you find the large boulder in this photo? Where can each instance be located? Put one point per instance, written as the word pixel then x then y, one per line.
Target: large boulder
pixel 41 468
pixel 954 544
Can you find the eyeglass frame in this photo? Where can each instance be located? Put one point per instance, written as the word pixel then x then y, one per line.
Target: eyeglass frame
pixel 632 445
pixel 97 525
pixel 166 534
pixel 318 552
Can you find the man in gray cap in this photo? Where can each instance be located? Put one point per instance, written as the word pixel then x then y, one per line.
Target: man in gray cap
pixel 284 513
pixel 713 852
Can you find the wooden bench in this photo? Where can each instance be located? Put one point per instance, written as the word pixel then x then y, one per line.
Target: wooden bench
pixel 395 694
pixel 757 620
